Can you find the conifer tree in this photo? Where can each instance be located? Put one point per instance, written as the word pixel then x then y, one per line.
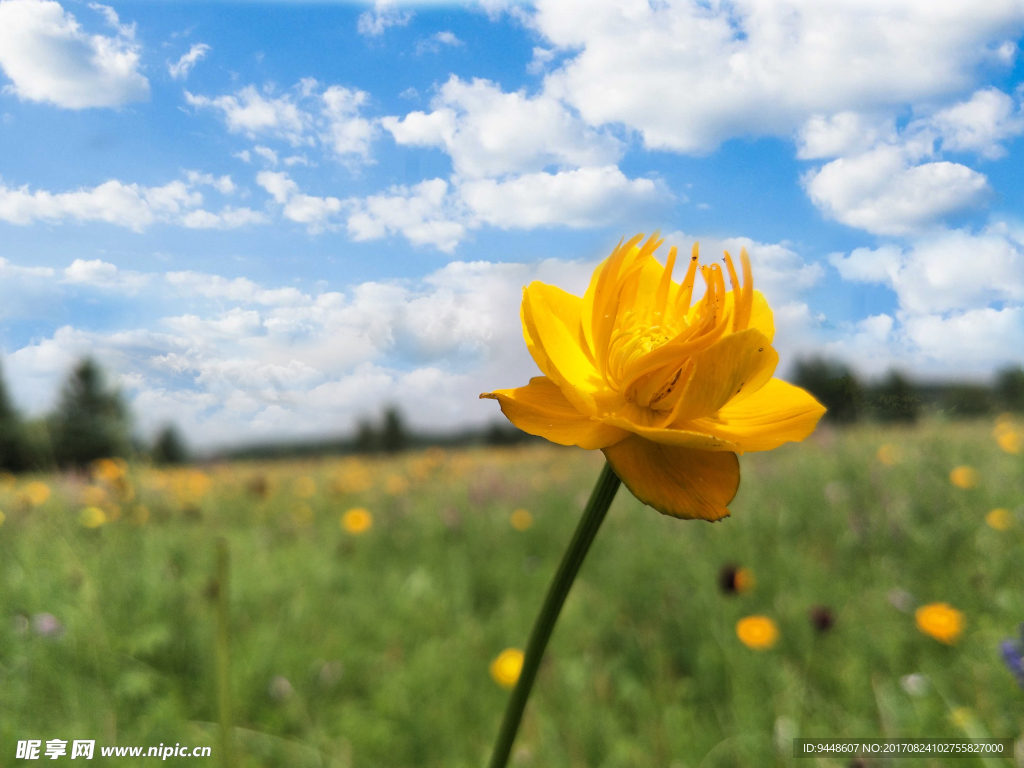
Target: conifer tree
pixel 91 422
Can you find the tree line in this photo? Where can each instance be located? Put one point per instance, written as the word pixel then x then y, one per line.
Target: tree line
pixel 90 421
pixel 897 398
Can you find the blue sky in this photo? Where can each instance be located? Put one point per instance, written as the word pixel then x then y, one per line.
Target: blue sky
pixel 268 219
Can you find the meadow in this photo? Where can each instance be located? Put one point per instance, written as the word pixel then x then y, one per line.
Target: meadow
pixel 369 644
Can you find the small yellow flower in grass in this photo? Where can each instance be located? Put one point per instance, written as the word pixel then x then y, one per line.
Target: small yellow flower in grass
pixel 670 392
pixel 961 717
pixel 109 470
pixel 357 520
pixel 890 455
pixel 757 632
pixel 92 517
pixel 1007 436
pixel 1000 519
pixel 396 485
pixel 506 668
pixel 36 492
pixel 964 477
pixel 521 519
pixel 305 487
pixel 941 621
pixel 93 495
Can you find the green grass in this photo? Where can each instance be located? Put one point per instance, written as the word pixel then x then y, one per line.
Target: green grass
pixel 385 638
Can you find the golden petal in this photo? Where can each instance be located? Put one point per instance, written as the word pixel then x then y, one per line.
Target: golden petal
pixel 676 481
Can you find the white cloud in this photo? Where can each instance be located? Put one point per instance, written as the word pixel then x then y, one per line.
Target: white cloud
pixel 585 197
pixel 845 133
pixel 179 70
pixel 103 274
pixel 884 192
pixel 302 116
pixel 249 112
pixel 50 58
pixel 979 124
pixel 384 14
pixel 434 43
pixel 946 271
pixel 132 206
pixel 751 68
pixel 424 214
pixel 489 132
pixel 317 213
pixel 222 184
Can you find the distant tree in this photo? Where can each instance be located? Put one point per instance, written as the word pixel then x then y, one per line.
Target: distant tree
pixel 91 422
pixel 393 435
pixel 366 437
pixel 833 385
pixel 963 401
pixel 895 399
pixel 14 450
pixel 1010 388
pixel 169 447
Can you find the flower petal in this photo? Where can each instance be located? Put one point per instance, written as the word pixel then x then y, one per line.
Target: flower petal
pixel 638 420
pixel 775 414
pixel 739 361
pixel 541 409
pixel 551 324
pixel 681 482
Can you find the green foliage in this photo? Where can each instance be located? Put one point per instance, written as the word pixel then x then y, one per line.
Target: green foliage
pixel 1010 389
pixel 373 650
pixel 968 401
pixel 393 435
pixel 14 454
pixel 169 447
pixel 91 422
pixel 833 385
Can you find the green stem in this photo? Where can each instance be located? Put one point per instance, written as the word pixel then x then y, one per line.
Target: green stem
pixel 593 515
pixel 223 597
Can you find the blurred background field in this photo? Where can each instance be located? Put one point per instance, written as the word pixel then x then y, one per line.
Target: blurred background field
pixel 366 640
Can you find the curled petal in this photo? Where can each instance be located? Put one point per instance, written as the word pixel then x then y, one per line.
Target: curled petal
pixel 775 414
pixel 681 482
pixel 541 409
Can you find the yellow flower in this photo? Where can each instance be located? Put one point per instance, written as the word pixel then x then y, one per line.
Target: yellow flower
pixel 92 517
pixel 964 477
pixel 305 487
pixel 109 470
pixel 1008 438
pixel 93 495
pixel 506 668
pixel 889 455
pixel 36 492
pixel 396 485
pixel 757 632
pixel 940 621
pixel 357 520
pixel 1000 519
pixel 521 519
pixel 670 392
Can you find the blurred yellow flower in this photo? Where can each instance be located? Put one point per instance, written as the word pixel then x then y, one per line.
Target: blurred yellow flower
pixel 7 481
pixel 305 487
pixel 353 477
pixel 302 515
pixel 964 477
pixel 1000 519
pixel 109 470
pixel 93 495
pixel 757 632
pixel 1007 436
pixel 357 520
pixel 36 493
pixel 521 519
pixel 396 485
pixel 506 668
pixel 889 454
pixel 744 580
pixel 941 621
pixel 190 485
pixel 961 717
pixel 670 392
pixel 92 517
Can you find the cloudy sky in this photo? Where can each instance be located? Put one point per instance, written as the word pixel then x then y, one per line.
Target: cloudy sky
pixel 269 219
